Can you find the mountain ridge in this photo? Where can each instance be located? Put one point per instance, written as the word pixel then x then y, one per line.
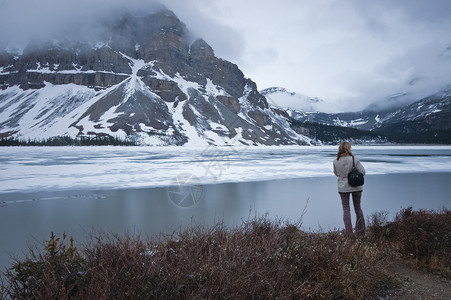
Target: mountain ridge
pixel 422 121
pixel 147 80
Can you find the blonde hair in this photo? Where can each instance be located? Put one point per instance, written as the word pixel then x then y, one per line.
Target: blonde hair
pixel 344 150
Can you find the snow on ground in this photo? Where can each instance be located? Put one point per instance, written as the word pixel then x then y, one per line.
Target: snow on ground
pixel 50 100
pixel 53 168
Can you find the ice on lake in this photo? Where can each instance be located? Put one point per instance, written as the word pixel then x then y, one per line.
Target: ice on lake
pixel 54 168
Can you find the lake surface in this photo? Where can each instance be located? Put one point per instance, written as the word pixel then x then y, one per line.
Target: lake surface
pixel 151 190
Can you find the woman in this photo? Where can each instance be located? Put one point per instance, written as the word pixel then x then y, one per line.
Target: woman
pixel 342 166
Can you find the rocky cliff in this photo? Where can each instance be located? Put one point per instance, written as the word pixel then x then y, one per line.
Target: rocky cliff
pixel 144 78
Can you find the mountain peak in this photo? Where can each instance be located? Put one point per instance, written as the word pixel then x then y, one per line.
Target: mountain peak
pixel 272 90
pixel 141 78
pixel 283 98
pixel 200 48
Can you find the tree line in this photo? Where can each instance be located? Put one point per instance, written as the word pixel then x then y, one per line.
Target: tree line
pixel 404 132
pixel 68 141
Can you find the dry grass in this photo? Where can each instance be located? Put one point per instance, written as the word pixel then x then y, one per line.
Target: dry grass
pixel 423 238
pixel 259 259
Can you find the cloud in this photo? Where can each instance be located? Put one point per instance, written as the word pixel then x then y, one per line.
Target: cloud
pixel 348 52
pixel 201 19
pixel 24 20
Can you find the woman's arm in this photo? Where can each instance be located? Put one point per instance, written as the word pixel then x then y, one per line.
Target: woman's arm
pixel 335 170
pixel 360 167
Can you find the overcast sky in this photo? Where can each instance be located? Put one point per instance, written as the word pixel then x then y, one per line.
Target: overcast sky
pixel 348 52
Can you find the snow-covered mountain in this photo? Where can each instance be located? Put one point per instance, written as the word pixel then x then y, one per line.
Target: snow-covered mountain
pixel 434 110
pixel 144 79
pixel 391 120
pixel 423 121
pixel 283 98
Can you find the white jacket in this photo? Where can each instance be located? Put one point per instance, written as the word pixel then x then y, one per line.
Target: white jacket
pixel 342 168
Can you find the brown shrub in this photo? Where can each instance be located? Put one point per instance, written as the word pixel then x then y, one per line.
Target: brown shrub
pixel 259 259
pixel 422 237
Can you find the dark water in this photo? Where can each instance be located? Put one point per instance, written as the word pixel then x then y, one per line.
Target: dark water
pixel 27 218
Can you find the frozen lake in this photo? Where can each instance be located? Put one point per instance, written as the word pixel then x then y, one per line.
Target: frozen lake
pixel 152 189
pixel 55 168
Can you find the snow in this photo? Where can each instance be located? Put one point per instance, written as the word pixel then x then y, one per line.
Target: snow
pixel 183 84
pixel 53 168
pixel 49 100
pixel 155 140
pixel 339 122
pixel 46 70
pixel 286 99
pixel 62 125
pixel 135 64
pixel 3 68
pixel 194 139
pixel 352 123
pixel 184 127
pixel 214 90
pixel 358 122
pixel 214 138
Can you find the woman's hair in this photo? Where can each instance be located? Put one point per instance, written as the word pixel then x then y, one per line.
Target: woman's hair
pixel 344 150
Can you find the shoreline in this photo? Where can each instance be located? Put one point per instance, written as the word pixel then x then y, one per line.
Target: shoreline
pixel 208 183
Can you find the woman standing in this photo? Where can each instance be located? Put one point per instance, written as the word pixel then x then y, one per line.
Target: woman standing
pixel 342 167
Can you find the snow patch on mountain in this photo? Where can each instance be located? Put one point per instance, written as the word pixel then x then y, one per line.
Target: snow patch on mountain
pixel 283 98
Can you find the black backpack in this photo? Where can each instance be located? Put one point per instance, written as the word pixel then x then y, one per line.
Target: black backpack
pixel 355 178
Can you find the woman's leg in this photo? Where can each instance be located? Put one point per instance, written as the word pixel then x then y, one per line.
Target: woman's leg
pixel 346 212
pixel 360 218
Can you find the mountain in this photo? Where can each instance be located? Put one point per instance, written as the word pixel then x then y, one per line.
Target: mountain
pixel 423 121
pixel 434 110
pixel 427 120
pixel 283 98
pixel 143 78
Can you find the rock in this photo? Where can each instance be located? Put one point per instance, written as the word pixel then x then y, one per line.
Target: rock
pixel 260 117
pixel 230 102
pixel 200 51
pixel 167 90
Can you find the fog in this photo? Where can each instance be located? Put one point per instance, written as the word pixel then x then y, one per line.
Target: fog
pixel 26 20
